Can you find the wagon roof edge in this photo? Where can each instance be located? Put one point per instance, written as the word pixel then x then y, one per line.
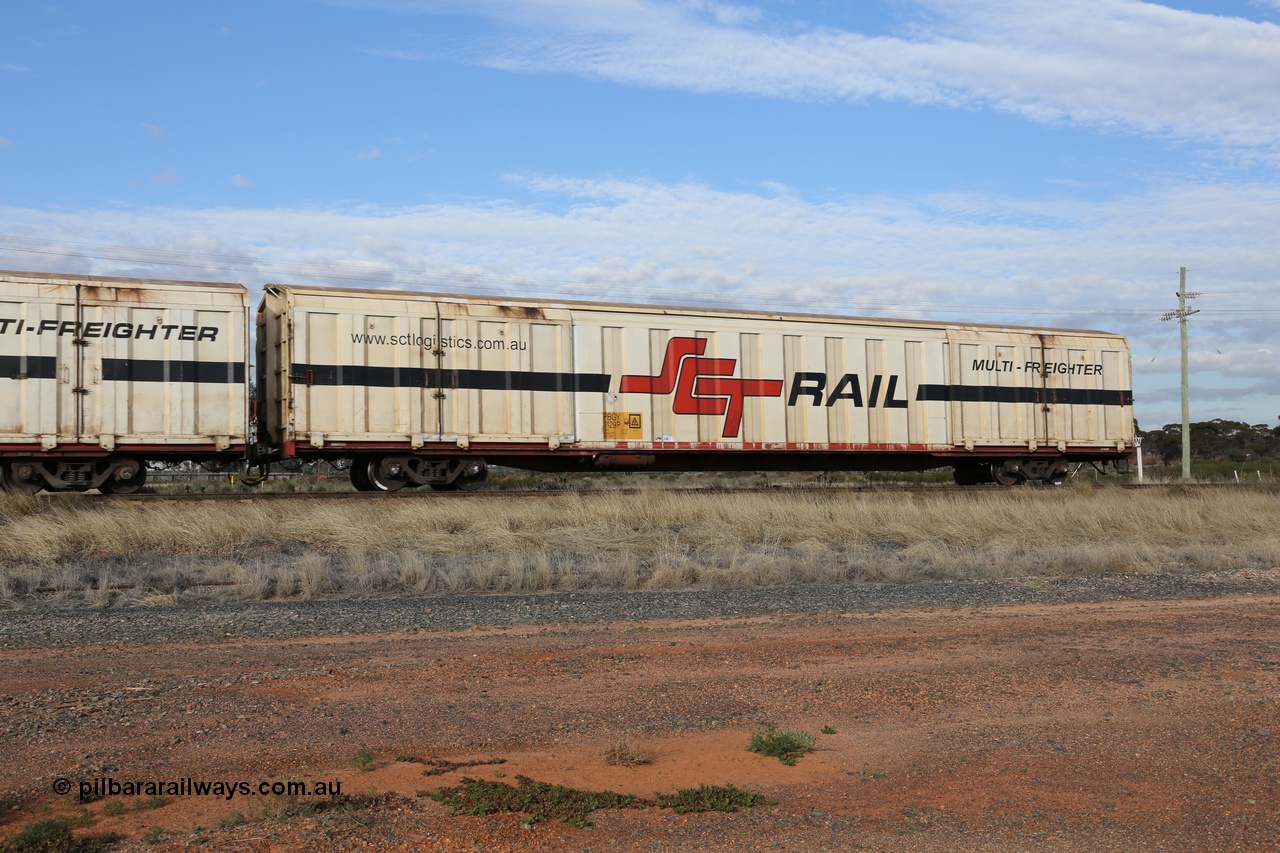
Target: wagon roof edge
pixel 110 279
pixel 653 308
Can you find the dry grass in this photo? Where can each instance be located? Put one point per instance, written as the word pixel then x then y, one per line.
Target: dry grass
pixel 162 553
pixel 624 752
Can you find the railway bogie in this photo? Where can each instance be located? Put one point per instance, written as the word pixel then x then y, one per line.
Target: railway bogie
pixel 108 474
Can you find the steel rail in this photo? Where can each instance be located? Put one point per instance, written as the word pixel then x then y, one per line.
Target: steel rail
pixel 506 494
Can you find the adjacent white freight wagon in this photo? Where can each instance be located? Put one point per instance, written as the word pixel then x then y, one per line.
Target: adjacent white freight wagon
pixel 100 375
pixel 429 389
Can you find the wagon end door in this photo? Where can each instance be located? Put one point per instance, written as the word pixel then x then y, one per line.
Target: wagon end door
pixel 1087 391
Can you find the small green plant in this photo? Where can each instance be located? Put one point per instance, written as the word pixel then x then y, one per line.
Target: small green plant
pixel 154 801
pixel 540 801
pixel 710 798
pixel 786 746
pixel 283 807
pixel 362 760
pixel 827 730
pixel 152 835
pixel 115 808
pixel 354 811
pixel 54 836
pixel 232 820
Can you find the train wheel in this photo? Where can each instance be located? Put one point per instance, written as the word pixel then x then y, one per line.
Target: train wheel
pixel 1003 477
pixel 20 478
pixel 126 486
pixel 385 476
pixel 472 477
pixel 360 475
pixel 971 474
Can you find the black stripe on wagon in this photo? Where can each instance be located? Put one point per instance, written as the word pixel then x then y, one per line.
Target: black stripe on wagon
pixel 1024 394
pixel 31 367
pixel 159 370
pixel 475 380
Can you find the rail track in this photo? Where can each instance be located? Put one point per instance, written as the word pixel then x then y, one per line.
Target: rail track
pixel 939 489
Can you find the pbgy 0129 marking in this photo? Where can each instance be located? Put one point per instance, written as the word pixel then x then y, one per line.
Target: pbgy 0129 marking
pixel 122 331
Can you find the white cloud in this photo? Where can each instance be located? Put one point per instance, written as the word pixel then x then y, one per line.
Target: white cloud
pixel 17 69
pixel 1111 265
pixel 155 131
pixel 1241 364
pixel 371 154
pixel 404 55
pixel 5 142
pixel 241 181
pixel 729 14
pixel 168 176
pixel 1120 64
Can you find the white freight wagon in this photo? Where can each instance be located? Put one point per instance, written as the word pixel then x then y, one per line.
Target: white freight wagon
pixel 427 389
pixel 98 376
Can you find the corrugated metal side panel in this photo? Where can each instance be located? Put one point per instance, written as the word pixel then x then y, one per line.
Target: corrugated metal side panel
pixel 1039 390
pixel 121 362
pixel 358 368
pixel 999 410
pixel 1085 366
pixel 180 377
pixel 362 368
pixel 748 382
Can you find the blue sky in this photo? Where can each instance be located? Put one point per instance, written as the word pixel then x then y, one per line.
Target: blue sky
pixel 982 160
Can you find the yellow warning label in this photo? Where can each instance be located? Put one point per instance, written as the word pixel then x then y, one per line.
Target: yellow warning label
pixel 623 426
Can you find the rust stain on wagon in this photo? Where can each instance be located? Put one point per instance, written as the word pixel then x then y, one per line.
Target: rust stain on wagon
pixel 114 293
pixel 525 312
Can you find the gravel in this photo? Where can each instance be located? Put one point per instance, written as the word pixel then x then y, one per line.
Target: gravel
pixel 42 624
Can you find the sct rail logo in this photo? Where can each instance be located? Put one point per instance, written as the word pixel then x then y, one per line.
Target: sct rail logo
pixel 702 386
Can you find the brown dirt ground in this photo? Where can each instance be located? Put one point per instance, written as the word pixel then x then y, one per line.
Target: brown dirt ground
pixel 1117 726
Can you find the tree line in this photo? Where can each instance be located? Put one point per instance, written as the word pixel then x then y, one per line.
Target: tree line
pixel 1218 440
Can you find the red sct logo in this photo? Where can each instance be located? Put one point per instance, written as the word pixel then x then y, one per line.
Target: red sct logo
pixel 703 386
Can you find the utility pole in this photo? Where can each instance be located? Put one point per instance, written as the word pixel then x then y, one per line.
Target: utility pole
pixel 1182 313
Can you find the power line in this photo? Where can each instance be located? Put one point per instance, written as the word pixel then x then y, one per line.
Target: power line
pixel 496 284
